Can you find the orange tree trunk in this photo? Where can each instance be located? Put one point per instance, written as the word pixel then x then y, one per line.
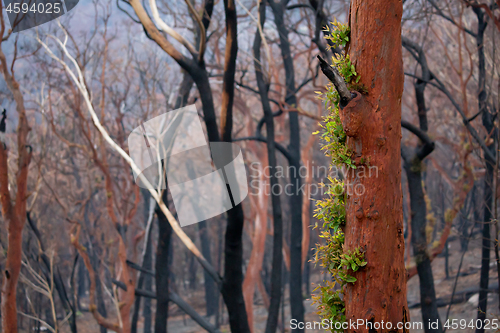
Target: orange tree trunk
pixel 372 122
pixel 11 277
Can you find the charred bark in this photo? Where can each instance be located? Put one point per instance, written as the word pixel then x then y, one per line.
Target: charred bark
pixel 296 297
pixel 163 251
pixel 147 262
pixel 82 279
pixel 413 165
pixel 210 285
pixel 277 257
pixel 232 284
pixel 162 269
pixel 419 243
pixel 488 123
pixel 101 306
pixel 148 287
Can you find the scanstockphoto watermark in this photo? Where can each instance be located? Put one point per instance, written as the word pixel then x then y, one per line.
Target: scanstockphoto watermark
pixel 319 175
pixel 331 325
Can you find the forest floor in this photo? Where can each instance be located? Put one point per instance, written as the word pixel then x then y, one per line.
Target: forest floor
pixel 180 323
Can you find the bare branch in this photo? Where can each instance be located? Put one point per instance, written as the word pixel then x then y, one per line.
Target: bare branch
pixel 155 34
pixel 203 36
pixel 282 149
pixel 163 26
pixel 428 144
pixel 332 73
pixel 448 18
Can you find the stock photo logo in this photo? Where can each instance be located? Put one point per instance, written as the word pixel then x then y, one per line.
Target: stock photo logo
pixel 205 180
pixel 27 14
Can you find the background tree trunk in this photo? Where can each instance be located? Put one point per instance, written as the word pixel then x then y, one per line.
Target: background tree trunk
pixel 232 284
pixel 277 256
pixel 419 242
pixel 296 297
pixel 162 270
pixel 13 211
pixel 147 264
pixel 211 291
pixel 414 167
pixel 488 123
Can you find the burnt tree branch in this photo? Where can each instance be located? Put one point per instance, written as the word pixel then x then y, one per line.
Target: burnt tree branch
pixel 428 145
pixel 332 73
pixel 177 300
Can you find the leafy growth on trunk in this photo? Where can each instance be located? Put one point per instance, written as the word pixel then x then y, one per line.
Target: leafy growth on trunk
pixel 339 34
pixel 346 68
pixel 331 210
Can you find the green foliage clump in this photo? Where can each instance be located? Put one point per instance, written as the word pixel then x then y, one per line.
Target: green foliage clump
pixel 339 35
pixel 346 68
pixel 331 210
pixel 333 135
pixel 339 263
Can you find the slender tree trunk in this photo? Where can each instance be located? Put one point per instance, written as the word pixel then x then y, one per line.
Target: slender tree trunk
pixel 296 297
pixel 164 239
pixel 414 166
pixel 210 285
pixel 464 225
pixel 11 276
pixel 82 278
pixel 488 123
pixel 148 286
pixel 220 308
pixel 486 247
pixel 162 270
pixel 372 122
pixel 277 259
pixel 419 242
pixel 147 263
pixel 101 306
pixel 232 284
pixel 13 208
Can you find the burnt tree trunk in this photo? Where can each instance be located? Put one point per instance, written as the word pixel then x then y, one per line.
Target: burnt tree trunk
pixel 101 306
pixel 148 286
pixel 210 285
pixel 82 278
pixel 165 234
pixel 162 269
pixel 419 243
pixel 372 122
pixel 277 257
pixel 296 297
pixel 487 119
pixel 147 263
pixel 232 284
pixel 413 165
pixel 486 245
